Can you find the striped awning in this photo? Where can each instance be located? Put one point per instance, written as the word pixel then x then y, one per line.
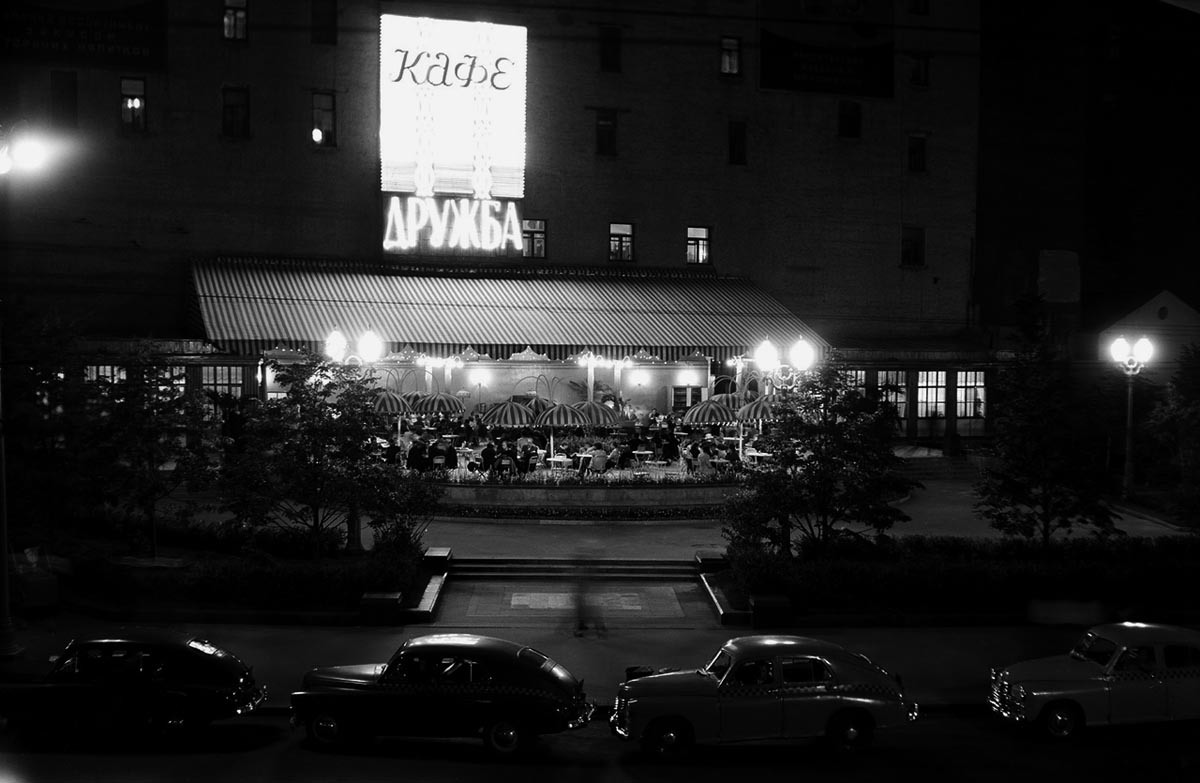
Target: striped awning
pixel 249 306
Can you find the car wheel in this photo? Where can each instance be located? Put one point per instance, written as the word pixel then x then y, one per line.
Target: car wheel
pixel 850 731
pixel 325 730
pixel 1061 720
pixel 667 739
pixel 504 736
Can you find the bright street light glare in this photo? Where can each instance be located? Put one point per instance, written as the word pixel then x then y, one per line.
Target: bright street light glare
pixel 317 135
pixel 1119 349
pixel 335 345
pixel 29 154
pixel 6 162
pixel 1143 349
pixel 802 355
pixel 766 356
pixel 370 346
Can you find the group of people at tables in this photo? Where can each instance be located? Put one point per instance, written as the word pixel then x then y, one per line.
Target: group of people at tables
pixel 438 443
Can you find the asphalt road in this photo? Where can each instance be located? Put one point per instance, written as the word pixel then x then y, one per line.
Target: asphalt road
pixel 960 745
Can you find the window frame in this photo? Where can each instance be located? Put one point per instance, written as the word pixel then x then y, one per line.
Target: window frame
pixel 235 21
pixel 620 243
pixel 971 381
pixel 699 247
pixel 918 74
pixel 691 396
pixel 133 118
pixel 533 236
pixel 328 137
pixel 228 112
pixel 898 394
pixel 731 55
pixel 931 394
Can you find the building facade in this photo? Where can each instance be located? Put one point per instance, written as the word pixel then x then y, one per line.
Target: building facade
pixel 798 169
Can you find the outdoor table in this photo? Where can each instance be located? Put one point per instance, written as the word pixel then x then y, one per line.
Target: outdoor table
pixel 719 463
pixel 758 456
pixel 560 462
pixel 642 456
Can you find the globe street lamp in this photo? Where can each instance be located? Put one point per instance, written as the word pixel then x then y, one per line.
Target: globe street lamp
pixel 1131 360
pixel 800 358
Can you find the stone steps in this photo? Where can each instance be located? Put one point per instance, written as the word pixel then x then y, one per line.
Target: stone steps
pixel 567 568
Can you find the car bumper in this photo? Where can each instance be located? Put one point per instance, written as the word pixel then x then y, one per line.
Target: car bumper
pixel 248 703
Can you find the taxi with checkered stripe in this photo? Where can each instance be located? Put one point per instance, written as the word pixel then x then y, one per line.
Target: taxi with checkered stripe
pixel 1117 673
pixel 761 688
pixel 444 685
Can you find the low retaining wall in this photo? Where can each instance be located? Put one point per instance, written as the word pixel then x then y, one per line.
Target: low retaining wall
pixel 657 496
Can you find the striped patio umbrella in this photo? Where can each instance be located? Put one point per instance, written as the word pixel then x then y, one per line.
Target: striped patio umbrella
pixel 412 396
pixel 389 402
pixel 442 402
pixel 761 409
pixel 560 415
pixel 597 413
pixel 509 414
pixel 539 404
pixel 709 412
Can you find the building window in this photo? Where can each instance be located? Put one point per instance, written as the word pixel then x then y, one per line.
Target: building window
pixel 103 373
pixel 972 395
pixel 324 119
pixel 737 143
pixel 324 21
pixel 858 381
pixel 133 105
pixel 235 20
pixel 931 394
pixel 684 397
pixel 697 245
pixel 849 119
pixel 172 381
pixel 918 76
pixel 606 132
pixel 235 112
pixel 731 56
pixel 533 238
pixel 64 100
pixel 620 241
pixel 918 7
pixel 916 153
pixel 610 49
pixel 912 246
pixel 893 388
pixel 221 381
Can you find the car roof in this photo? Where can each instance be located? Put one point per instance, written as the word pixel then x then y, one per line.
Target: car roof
pixel 1146 633
pixel 147 637
pixel 771 644
pixel 465 641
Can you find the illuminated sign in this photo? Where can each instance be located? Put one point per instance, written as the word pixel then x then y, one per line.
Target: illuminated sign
pixel 451 224
pixel 451 108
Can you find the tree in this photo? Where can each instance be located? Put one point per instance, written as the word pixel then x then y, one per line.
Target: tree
pixel 833 474
pixel 1175 424
pixel 1043 478
pixel 310 460
pixel 146 434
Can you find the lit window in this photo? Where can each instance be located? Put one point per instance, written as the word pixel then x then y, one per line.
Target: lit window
pixel 324 119
pixel 737 143
pixel 931 394
pixel 857 380
pixel 172 380
pixel 620 241
pixel 684 397
pixel 916 153
pixel 893 388
pixel 731 56
pixel 606 131
pixel 235 20
pixel 697 245
pixel 221 381
pixel 610 49
pixel 849 119
pixel 972 395
pixel 533 238
pixel 104 373
pixel 324 22
pixel 133 104
pixel 235 112
pixel 912 246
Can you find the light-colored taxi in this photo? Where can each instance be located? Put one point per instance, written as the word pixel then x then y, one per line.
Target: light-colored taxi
pixel 761 688
pixel 1117 673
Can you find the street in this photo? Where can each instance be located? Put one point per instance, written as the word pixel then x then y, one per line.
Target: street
pixel 953 745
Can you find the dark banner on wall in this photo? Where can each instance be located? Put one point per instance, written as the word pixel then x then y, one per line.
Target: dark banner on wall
pixel 833 46
pixel 98 34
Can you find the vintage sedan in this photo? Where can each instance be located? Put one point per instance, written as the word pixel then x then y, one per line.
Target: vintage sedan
pixel 1116 673
pixel 447 685
pixel 761 688
pixel 132 683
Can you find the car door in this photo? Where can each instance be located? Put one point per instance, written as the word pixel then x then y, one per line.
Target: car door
pixel 808 698
pixel 1181 672
pixel 1137 690
pixel 405 699
pixel 749 701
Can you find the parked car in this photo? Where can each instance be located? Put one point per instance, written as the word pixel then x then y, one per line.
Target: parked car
pixel 761 688
pixel 449 685
pixel 1116 673
pixel 132 682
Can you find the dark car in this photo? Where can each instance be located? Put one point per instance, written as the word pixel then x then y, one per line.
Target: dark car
pixel 132 683
pixel 451 685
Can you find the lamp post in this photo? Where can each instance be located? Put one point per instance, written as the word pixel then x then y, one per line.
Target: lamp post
pixel 1131 359
pixel 22 151
pixel 775 373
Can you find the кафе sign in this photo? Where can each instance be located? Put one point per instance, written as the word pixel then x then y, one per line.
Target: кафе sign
pixel 451 135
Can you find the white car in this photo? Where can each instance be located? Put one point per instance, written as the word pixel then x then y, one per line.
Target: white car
pixel 1117 673
pixel 761 688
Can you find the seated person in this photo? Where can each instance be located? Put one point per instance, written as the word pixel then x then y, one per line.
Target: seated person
pixel 670 450
pixel 599 459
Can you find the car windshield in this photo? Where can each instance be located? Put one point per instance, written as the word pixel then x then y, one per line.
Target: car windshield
pixel 1094 648
pixel 719 664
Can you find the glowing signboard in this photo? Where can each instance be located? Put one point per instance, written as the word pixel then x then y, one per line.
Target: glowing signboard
pixel 428 223
pixel 451 107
